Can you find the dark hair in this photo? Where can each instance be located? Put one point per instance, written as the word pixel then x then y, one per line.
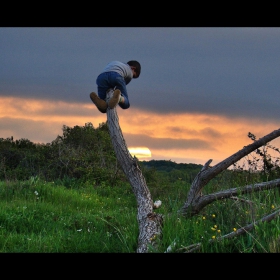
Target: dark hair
pixel 137 65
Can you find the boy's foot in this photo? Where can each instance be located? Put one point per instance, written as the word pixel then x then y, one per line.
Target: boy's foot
pixel 99 103
pixel 114 99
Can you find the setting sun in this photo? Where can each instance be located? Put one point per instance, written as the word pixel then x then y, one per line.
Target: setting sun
pixel 140 152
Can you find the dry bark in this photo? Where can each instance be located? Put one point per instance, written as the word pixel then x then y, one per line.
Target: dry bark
pixel 196 201
pixel 149 222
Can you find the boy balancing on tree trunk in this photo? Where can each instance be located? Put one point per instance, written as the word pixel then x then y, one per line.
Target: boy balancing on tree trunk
pixel 115 75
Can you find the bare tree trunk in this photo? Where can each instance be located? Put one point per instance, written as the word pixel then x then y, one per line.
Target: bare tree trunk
pixel 149 222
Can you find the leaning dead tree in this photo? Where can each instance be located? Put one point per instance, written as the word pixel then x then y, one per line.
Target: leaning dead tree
pixel 150 223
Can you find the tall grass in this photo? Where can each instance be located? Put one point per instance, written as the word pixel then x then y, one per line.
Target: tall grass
pixel 65 217
pixel 44 217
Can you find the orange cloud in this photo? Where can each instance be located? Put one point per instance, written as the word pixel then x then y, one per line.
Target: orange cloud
pixel 190 138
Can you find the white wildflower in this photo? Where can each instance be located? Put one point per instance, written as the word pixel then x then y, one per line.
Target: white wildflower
pixel 157 204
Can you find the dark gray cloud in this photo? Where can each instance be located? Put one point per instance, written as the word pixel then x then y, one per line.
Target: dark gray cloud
pixel 228 71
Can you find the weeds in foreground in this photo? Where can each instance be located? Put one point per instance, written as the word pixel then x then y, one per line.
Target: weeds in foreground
pixel 36 216
pixel 43 217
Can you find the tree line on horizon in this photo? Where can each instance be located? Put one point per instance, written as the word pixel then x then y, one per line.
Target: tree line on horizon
pixel 83 153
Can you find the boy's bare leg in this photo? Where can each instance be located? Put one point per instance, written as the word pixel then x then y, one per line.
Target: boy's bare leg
pixel 99 103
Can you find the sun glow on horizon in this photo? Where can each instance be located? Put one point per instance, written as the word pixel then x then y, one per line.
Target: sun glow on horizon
pixel 140 152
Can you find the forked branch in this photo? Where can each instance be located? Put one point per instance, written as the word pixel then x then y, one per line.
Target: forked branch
pixel 196 201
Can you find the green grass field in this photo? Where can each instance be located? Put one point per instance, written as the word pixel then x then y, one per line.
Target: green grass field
pixel 41 217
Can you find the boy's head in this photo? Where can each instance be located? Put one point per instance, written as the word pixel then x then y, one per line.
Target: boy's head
pixel 135 65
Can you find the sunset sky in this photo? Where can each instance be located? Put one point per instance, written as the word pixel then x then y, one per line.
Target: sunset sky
pixel 201 89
